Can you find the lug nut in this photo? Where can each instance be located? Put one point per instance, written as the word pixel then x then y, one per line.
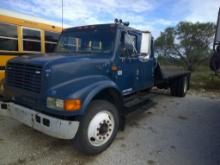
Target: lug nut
pixel 92 139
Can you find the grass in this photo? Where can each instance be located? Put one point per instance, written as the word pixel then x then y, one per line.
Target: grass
pixel 204 78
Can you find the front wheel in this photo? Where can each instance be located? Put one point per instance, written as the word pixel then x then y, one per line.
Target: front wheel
pixel 98 127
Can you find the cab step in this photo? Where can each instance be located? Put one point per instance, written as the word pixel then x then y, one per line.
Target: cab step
pixel 139 101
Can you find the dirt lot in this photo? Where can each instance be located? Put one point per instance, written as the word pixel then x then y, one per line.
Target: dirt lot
pixel 172 131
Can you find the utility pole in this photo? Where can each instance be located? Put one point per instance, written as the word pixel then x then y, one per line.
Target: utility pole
pixel 62 15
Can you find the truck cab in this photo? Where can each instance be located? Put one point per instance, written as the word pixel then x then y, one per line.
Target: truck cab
pixel 79 91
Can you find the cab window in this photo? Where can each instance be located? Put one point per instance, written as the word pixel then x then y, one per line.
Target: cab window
pixel 128 44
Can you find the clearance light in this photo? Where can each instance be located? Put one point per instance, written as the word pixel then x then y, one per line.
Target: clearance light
pixel 114 68
pixel 72 104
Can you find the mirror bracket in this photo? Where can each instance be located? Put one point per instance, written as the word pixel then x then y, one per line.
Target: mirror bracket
pixel 144 57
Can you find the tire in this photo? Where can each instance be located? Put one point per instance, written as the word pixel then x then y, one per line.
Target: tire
pixel 179 86
pixel 98 128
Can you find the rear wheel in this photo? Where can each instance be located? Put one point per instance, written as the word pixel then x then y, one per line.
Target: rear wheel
pixel 179 86
pixel 98 127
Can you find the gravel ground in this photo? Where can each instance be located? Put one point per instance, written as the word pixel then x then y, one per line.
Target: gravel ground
pixel 171 131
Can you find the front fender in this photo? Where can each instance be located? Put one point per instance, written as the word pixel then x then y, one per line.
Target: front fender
pixel 84 88
pixel 95 89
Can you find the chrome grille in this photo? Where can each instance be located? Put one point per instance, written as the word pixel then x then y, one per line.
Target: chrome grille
pixel 24 76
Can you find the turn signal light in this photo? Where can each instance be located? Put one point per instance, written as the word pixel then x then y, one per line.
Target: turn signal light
pixel 114 68
pixel 72 105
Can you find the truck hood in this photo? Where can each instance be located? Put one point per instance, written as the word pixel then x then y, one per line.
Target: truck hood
pixel 61 68
pixel 49 59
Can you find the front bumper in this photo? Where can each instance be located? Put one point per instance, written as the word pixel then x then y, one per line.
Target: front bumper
pixel 59 128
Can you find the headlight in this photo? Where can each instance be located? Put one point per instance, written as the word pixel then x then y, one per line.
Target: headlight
pixel 54 103
pixel 67 105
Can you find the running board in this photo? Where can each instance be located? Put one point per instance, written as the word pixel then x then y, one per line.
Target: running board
pixel 140 101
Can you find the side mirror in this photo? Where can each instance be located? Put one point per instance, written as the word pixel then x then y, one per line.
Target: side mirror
pixel 145 50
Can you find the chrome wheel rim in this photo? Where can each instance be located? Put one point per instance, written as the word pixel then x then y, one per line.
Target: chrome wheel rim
pixel 101 128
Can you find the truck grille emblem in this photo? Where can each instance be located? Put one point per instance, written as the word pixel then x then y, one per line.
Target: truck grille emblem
pixel 37 72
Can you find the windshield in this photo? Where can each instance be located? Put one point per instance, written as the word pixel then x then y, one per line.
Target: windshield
pixel 87 41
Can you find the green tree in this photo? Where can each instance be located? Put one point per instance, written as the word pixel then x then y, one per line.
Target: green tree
pixel 190 42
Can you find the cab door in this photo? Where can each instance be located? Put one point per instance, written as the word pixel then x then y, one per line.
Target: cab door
pixel 146 62
pixel 128 69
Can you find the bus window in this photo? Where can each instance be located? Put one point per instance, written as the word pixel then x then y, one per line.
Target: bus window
pixel 31 40
pixel 51 41
pixel 8 37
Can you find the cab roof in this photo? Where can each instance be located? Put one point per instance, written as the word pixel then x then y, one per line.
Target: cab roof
pixel 103 26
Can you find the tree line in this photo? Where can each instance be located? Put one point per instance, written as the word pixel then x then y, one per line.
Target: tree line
pixel 187 41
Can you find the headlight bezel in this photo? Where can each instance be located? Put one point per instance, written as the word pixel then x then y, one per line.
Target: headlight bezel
pixel 55 103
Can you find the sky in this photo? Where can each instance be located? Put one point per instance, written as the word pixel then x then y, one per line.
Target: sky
pixel 152 15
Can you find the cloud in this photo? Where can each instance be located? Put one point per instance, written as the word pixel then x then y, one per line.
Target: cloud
pixel 197 10
pixel 137 6
pixel 81 9
pixel 203 11
pixel 142 14
pixel 82 12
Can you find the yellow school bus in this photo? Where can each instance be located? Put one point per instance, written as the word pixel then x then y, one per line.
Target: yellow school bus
pixel 22 34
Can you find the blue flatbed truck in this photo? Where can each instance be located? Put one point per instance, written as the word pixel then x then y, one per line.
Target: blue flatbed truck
pixel 80 91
